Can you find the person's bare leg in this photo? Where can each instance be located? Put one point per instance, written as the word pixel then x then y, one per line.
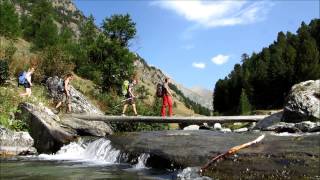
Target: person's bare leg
pixel 58 105
pixel 69 108
pixel 26 93
pixel 29 92
pixel 124 108
pixel 134 109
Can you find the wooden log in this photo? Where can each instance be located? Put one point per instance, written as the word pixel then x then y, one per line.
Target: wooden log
pixel 173 119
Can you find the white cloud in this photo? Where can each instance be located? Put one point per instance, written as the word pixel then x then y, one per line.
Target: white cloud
pixel 218 13
pixel 199 65
pixel 220 59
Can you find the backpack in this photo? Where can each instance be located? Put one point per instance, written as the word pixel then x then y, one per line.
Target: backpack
pixel 160 90
pixel 22 78
pixel 60 85
pixel 125 87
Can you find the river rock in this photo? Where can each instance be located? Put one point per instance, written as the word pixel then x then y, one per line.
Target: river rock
pixel 217 126
pixel 50 132
pixel 15 143
pixel 192 127
pixel 303 102
pixel 274 157
pixel 241 130
pixel 268 121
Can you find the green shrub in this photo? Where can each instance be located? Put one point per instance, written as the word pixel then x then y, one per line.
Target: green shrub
pixel 4 71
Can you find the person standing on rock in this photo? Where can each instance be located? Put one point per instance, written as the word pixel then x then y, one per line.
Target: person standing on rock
pixel 64 93
pixel 130 98
pixel 166 98
pixel 26 76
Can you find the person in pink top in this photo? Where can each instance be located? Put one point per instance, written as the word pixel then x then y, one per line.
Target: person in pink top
pixel 166 98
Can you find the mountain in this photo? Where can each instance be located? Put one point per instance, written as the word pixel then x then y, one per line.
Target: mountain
pixel 65 13
pixel 199 95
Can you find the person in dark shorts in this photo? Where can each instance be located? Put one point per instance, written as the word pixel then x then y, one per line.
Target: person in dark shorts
pixel 27 85
pixel 64 95
pixel 130 98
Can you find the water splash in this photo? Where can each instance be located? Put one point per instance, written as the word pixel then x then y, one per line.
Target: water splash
pixel 97 152
pixel 142 160
pixel 191 173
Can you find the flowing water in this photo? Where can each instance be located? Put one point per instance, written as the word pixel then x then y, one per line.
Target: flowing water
pixel 96 160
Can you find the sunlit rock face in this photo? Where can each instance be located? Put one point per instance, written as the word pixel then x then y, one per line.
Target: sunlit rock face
pixel 303 103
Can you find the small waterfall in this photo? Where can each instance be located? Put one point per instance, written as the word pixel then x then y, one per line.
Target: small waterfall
pixel 99 151
pixel 142 160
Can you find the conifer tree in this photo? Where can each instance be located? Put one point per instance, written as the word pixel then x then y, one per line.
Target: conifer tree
pixel 244 104
pixel 9 20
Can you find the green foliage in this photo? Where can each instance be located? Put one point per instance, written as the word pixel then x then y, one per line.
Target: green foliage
pixel 55 62
pixel 9 20
pixel 244 104
pixel 40 27
pixel 119 28
pixel 267 77
pixel 4 71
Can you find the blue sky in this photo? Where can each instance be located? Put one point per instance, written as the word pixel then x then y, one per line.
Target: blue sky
pixel 197 42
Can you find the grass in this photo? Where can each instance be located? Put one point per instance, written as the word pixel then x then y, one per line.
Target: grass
pixel 10 99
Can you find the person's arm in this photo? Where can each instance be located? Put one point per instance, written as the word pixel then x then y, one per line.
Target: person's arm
pixel 66 86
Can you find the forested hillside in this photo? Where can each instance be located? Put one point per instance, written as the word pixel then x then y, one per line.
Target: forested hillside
pixel 56 38
pixel 264 79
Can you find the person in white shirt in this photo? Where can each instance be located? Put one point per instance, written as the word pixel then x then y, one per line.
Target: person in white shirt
pixel 28 83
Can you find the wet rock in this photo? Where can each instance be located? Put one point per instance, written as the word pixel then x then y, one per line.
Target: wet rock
pixel 303 103
pixel 50 132
pixel 298 156
pixel 307 126
pixel 283 127
pixel 15 143
pixel 271 120
pixel 217 126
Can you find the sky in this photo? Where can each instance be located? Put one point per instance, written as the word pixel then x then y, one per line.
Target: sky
pixel 197 42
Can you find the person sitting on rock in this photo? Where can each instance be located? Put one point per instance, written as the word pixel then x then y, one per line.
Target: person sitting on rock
pixel 64 93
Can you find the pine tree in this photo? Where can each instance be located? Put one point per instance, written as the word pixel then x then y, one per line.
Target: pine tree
pixel 40 27
pixel 9 20
pixel 307 63
pixel 119 28
pixel 88 32
pixel 244 104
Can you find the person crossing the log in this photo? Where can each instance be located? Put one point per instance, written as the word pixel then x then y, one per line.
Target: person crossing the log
pixel 130 98
pixel 166 98
pixel 64 93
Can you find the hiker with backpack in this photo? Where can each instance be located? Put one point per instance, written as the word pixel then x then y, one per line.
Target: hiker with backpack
pixel 25 80
pixel 63 88
pixel 166 98
pixel 129 97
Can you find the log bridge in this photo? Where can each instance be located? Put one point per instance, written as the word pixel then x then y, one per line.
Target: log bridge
pixel 172 119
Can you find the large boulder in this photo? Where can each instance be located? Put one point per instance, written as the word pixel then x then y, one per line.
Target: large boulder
pixel 275 157
pixel 303 103
pixel 79 103
pixel 15 143
pixel 50 132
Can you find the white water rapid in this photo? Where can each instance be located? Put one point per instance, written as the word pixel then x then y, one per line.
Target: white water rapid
pixel 97 152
